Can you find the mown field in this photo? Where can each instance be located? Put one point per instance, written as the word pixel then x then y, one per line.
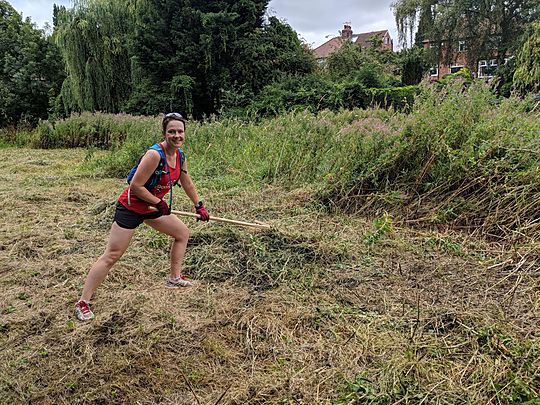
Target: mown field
pixel 324 308
pixel 403 265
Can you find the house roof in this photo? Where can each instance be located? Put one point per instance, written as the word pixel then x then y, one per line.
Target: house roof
pixel 364 38
pixel 328 47
pixel 332 45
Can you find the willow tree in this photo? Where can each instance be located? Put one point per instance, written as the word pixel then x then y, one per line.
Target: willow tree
pixel 488 27
pixel 93 37
pixel 527 74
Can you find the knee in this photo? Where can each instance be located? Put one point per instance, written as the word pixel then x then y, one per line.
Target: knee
pixel 182 234
pixel 111 257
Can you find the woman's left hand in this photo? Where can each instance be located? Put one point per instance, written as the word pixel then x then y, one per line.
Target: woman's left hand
pixel 201 211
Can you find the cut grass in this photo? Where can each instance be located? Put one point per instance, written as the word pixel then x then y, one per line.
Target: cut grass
pixel 310 312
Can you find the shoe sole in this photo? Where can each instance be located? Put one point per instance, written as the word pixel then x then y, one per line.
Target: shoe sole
pixel 81 317
pixel 172 286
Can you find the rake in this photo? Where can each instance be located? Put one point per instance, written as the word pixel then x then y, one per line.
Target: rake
pixel 257 224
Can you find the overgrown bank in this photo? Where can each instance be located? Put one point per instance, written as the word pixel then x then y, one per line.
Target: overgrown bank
pixel 461 157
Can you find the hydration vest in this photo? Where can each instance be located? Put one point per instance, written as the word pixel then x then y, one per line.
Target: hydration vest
pixel 162 168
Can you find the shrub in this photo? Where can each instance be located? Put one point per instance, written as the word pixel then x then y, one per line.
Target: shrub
pixel 460 156
pixel 397 97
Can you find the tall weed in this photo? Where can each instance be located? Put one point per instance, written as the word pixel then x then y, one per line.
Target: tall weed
pixel 460 156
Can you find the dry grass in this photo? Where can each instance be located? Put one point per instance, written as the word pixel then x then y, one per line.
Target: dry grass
pixel 311 312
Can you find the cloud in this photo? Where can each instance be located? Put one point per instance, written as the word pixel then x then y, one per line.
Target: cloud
pixel 318 20
pixel 39 11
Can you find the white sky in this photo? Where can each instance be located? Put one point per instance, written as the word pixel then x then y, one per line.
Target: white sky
pixel 315 21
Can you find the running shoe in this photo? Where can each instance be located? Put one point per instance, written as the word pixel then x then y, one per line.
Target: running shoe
pixel 83 311
pixel 178 282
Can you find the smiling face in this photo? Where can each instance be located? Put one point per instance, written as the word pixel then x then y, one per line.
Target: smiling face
pixel 174 133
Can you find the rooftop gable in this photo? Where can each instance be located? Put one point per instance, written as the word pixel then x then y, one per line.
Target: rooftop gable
pixel 363 39
pixel 328 48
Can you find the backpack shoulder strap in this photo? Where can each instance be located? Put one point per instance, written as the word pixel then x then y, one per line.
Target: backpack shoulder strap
pixel 182 160
pixel 163 159
pixel 157 147
pixel 159 169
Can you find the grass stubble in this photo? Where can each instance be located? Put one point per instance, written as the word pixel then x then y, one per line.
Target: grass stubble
pixel 324 308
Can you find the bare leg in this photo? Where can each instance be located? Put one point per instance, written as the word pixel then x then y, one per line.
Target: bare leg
pixel 172 226
pixel 119 239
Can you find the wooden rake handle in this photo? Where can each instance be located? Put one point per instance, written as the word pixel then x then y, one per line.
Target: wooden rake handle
pixel 218 219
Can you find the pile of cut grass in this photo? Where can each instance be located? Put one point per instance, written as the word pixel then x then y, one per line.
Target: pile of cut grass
pixel 325 308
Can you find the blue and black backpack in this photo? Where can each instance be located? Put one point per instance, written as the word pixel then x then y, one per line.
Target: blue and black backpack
pixel 160 170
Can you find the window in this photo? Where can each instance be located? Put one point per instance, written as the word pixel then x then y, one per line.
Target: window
pixel 506 60
pixel 434 71
pixel 486 69
pixel 482 64
pixel 455 69
pixel 462 46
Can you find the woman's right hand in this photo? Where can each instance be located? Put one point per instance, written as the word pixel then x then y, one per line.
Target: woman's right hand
pixel 163 208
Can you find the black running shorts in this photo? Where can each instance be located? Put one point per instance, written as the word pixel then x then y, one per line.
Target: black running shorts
pixel 130 220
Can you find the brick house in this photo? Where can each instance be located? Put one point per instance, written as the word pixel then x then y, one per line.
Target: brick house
pixel 460 59
pixel 365 40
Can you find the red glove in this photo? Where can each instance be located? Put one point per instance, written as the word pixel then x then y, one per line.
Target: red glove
pixel 203 214
pixel 163 208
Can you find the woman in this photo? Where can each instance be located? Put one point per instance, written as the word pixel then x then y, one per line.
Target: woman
pixel 138 204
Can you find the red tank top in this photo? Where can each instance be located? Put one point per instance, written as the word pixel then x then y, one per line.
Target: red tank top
pixel 139 206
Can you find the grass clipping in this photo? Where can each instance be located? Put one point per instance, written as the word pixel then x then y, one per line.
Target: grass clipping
pixel 329 309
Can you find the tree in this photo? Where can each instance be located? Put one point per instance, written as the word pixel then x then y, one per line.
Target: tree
pixel 370 67
pixel 527 74
pixel 183 51
pixel 93 37
pixel 271 51
pixel 488 27
pixel 30 69
pixel 346 60
pixel 413 65
pixel 268 54
pixel 195 56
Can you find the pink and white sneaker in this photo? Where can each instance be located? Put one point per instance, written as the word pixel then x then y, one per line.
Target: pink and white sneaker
pixel 83 311
pixel 178 282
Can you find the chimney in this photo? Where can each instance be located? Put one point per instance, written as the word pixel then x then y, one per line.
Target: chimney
pixel 347 32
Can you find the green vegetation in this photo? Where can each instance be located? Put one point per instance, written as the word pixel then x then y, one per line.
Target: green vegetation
pixel 527 73
pixel 223 58
pixel 323 308
pixel 470 158
pixel 490 28
pixel 93 39
pixel 31 70
pixel 198 58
